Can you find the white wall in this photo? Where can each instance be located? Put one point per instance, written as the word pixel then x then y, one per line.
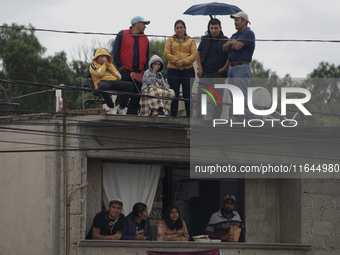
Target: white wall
pixel 22 195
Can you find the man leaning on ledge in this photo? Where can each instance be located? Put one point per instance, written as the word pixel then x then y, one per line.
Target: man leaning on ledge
pixel 226 224
pixel 108 225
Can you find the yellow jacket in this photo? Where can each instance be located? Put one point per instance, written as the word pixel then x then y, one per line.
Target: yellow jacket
pixel 100 73
pixel 186 51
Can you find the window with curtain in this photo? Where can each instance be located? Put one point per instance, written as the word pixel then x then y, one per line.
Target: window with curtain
pixel 131 182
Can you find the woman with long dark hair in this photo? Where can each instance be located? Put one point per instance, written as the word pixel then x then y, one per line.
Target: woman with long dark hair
pixel 137 224
pixel 181 52
pixel 175 228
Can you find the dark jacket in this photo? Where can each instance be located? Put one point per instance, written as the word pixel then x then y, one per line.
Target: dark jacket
pixel 206 43
pixel 130 228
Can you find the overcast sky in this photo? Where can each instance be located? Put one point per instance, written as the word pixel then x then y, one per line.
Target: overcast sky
pixel 270 19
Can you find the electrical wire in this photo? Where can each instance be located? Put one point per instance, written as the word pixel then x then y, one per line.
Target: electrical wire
pixel 119 125
pixel 112 92
pixel 161 36
pixel 145 143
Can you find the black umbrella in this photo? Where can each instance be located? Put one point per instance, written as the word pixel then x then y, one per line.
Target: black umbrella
pixel 212 9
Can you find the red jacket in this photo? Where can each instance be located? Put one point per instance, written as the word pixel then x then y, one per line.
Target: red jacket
pixel 126 50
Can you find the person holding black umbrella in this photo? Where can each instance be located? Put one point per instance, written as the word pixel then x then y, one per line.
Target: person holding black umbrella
pixel 212 61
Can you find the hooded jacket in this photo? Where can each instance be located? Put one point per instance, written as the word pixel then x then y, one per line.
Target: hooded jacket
pixel 100 73
pixel 150 77
pixel 130 228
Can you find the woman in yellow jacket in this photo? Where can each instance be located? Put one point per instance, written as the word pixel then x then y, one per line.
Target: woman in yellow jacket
pixel 181 52
pixel 106 77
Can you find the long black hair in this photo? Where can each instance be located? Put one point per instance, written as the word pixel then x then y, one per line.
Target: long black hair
pixel 166 217
pixel 138 208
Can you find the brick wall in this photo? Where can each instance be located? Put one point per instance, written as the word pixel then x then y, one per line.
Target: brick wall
pixel 321 215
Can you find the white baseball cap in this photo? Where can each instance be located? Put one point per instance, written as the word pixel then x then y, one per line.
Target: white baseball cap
pixel 240 15
pixel 116 200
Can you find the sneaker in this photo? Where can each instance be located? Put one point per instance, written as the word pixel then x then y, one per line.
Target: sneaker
pixel 112 110
pixel 122 111
pixel 166 112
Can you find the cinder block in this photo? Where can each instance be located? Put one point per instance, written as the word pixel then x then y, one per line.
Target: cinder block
pixel 320 252
pixel 337 229
pixel 76 207
pixel 337 201
pixel 335 252
pixel 310 214
pixel 74 177
pixel 331 187
pixel 312 186
pixel 332 243
pixel 323 201
pixel 307 200
pixel 323 228
pixel 331 214
pixel 316 241
pixel 76 221
pixel 307 227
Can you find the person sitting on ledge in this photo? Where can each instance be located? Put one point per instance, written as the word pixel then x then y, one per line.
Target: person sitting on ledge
pixel 137 224
pixel 108 225
pixel 175 228
pixel 226 224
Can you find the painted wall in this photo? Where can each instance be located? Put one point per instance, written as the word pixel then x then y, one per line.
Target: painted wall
pixel 24 185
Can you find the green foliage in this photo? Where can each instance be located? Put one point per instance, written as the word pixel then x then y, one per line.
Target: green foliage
pixel 258 71
pixel 325 70
pixel 261 77
pixel 22 59
pixel 324 85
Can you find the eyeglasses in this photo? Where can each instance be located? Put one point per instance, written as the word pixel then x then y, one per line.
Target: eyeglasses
pixel 103 56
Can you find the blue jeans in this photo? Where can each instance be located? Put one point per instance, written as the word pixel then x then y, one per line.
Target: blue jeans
pixel 176 78
pixel 240 77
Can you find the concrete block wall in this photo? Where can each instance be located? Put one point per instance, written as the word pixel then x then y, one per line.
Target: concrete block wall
pixel 320 215
pixel 76 178
pixel 262 210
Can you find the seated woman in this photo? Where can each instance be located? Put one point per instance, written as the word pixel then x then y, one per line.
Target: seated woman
pixel 106 77
pixel 137 224
pixel 175 228
pixel 154 85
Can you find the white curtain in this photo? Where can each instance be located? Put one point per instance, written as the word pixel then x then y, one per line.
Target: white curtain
pixel 131 182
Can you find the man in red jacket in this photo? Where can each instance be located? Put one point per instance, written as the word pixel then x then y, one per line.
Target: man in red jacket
pixel 131 54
